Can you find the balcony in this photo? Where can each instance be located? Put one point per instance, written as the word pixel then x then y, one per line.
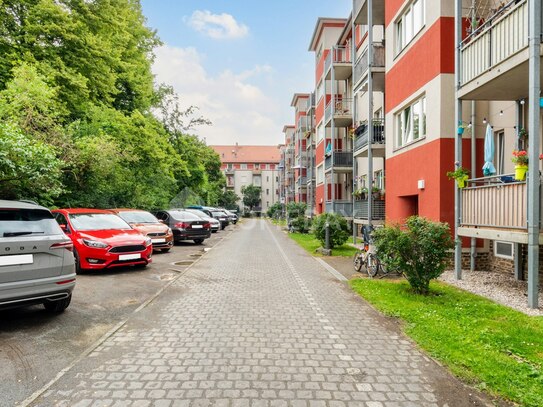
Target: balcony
pixel 302 124
pixel 361 69
pixel 343 208
pixel 302 181
pixel 361 211
pixel 343 161
pixel 338 59
pixel 495 208
pixel 494 58
pixel 361 140
pixel 360 12
pixel 229 171
pixel 340 110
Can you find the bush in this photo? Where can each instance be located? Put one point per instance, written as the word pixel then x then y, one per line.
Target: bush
pixel 297 222
pixel 339 229
pixel 275 211
pixel 419 251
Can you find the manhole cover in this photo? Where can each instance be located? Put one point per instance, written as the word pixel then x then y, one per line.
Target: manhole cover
pixel 184 263
pixel 195 255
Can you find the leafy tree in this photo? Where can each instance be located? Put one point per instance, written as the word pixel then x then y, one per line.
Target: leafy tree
pixel 251 196
pixel 419 251
pixel 339 229
pixel 29 167
pixel 296 217
pixel 228 199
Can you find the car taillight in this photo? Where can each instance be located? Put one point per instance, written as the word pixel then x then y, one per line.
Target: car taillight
pixel 63 245
pixel 182 225
pixel 207 226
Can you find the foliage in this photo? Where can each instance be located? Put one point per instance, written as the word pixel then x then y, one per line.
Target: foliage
pixel 228 199
pixel 29 167
pixel 251 195
pixel 487 345
pixel 418 252
pixel 459 173
pixel 339 229
pixel 310 243
pixel 520 157
pixel 275 211
pixel 296 217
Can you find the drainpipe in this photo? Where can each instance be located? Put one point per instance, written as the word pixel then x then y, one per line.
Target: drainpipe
pixel 473 245
pixel 355 112
pixel 534 111
pixel 370 113
pixel 457 142
pixel 517 246
pixel 333 135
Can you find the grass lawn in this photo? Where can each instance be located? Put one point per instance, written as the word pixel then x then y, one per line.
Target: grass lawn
pixel 279 222
pixel 310 244
pixel 494 348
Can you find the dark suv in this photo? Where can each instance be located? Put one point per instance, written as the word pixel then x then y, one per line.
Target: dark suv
pixel 36 260
pixel 185 225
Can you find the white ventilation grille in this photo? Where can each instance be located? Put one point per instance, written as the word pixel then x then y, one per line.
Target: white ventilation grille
pixel 505 250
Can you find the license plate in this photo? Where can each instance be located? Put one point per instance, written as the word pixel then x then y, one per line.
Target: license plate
pixel 129 256
pixel 16 260
pixel 158 240
pixel 197 226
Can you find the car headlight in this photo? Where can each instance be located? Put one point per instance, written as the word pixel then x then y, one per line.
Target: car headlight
pixel 148 241
pixel 95 244
pixel 169 231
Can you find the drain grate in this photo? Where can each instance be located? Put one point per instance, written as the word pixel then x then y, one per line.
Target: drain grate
pixel 184 263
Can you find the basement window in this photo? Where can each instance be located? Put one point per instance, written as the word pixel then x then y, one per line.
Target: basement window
pixel 504 250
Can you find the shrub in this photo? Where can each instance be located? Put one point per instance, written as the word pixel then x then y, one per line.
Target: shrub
pixel 275 211
pixel 339 229
pixel 297 222
pixel 418 251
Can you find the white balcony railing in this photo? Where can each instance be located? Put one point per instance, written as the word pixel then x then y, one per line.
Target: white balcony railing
pixel 362 63
pixel 337 55
pixel 338 107
pixel 499 38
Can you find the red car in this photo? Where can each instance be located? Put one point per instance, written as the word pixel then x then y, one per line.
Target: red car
pixel 103 240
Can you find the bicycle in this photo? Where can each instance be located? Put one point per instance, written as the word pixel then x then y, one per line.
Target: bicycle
pixel 366 256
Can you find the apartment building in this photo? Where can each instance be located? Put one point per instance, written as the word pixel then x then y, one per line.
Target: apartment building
pixel 300 103
pixel 252 165
pixel 288 190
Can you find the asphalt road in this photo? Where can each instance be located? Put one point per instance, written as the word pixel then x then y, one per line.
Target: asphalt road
pixel 35 346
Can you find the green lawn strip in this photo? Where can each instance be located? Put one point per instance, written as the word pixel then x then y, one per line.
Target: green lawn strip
pixel 490 346
pixel 310 244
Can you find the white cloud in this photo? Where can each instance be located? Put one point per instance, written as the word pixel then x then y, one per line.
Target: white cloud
pixel 240 111
pixel 217 26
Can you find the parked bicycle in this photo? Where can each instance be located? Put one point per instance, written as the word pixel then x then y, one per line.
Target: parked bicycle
pixel 365 257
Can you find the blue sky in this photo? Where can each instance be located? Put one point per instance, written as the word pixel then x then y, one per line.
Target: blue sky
pixel 239 61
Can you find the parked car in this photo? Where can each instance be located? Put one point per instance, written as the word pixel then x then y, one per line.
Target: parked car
pixel 232 217
pixel 36 260
pixel 147 224
pixel 185 225
pixel 214 213
pixel 215 224
pixel 102 240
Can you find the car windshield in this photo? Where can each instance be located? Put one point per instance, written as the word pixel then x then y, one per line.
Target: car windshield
pixel 199 213
pixel 26 222
pixel 221 214
pixel 138 217
pixel 184 215
pixel 97 221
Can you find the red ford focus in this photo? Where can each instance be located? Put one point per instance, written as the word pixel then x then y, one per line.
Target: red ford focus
pixel 103 240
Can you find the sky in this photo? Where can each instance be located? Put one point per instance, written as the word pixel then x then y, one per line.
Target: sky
pixel 239 61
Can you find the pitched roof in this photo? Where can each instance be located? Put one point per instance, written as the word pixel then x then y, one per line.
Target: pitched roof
pixel 248 154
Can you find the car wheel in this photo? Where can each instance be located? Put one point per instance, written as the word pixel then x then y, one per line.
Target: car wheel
pixel 198 241
pixel 78 269
pixel 59 306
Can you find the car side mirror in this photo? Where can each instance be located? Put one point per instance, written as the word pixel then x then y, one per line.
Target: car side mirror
pixel 65 228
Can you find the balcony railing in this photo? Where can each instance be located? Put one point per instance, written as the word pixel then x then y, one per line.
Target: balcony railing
pixel 339 107
pixel 302 123
pixel 362 134
pixel 361 210
pixel 491 202
pixel 337 55
pixel 361 66
pixel 341 159
pixel 343 208
pixel 302 181
pixel 499 38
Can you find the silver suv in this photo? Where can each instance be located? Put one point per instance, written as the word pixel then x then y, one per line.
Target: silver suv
pixel 36 259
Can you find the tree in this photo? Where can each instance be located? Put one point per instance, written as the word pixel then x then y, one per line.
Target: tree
pixel 418 251
pixel 228 199
pixel 296 217
pixel 275 211
pixel 251 195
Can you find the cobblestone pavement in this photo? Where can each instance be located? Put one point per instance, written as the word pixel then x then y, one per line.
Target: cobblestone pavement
pixel 257 322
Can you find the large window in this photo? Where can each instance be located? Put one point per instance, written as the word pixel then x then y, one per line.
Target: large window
pixel 320 133
pixel 409 24
pixel 411 123
pixel 320 174
pixel 320 90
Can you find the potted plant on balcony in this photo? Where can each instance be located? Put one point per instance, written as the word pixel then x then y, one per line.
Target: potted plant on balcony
pixel 361 194
pixel 376 193
pixel 520 159
pixel 461 175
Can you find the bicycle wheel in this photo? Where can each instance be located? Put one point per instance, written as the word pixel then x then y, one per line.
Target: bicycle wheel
pixel 357 261
pixel 372 265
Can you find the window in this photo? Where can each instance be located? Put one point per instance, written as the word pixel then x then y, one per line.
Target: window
pixel 257 166
pixel 276 179
pixel 320 90
pixel 504 250
pixel 500 146
pixel 409 24
pixel 265 166
pixel 320 133
pixel 257 181
pixel 379 179
pixel 229 167
pixel 320 174
pixel 268 178
pixel 411 123
pixel 267 191
pixel 243 166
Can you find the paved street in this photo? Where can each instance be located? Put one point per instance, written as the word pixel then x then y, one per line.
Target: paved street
pixel 256 322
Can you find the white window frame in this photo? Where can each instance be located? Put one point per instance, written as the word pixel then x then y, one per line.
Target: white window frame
pixel 499 142
pixel 321 132
pixel 405 26
pixel 379 179
pixel 502 256
pixel 320 174
pixel 243 166
pixel 406 131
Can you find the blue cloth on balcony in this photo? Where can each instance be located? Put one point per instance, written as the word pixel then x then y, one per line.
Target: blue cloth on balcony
pixel 328 150
pixel 488 168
